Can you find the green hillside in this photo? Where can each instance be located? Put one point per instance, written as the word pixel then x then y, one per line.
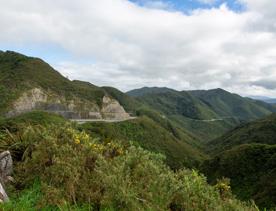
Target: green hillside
pixel 251 169
pixel 60 167
pixel 179 148
pixel 206 114
pixel 149 90
pixel 226 104
pixel 139 163
pixel 261 131
pixel 247 155
pixel 177 103
pixel 31 118
pixel 20 73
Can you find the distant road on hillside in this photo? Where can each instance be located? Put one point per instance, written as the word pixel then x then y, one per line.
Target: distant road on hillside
pixel 213 120
pixel 82 121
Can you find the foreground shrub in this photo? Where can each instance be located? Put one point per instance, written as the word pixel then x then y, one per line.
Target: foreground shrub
pixel 75 170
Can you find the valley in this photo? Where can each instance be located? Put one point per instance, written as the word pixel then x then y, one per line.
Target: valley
pixel 106 138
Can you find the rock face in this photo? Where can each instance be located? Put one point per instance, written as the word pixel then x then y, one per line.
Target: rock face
pixel 111 109
pixel 6 166
pixel 38 99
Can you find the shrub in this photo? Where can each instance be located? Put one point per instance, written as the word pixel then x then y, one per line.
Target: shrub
pixel 78 172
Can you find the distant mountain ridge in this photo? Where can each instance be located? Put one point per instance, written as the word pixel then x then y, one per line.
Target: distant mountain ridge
pixel 193 109
pixel 264 99
pixel 149 90
pixel 221 102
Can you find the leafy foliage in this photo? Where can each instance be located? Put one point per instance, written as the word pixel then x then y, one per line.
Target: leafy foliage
pixel 151 136
pixel 76 172
pixel 247 155
pixel 251 168
pixel 261 131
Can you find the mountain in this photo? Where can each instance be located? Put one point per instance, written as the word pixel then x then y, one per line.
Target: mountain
pixel 271 101
pixel 106 163
pixel 172 102
pixel 262 131
pixel 29 84
pixel 205 113
pixel 247 155
pixel 264 99
pixel 227 104
pixel 148 90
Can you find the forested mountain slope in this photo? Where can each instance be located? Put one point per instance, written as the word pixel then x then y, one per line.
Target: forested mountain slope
pixel 247 155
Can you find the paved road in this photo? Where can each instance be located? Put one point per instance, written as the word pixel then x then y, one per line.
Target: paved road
pixel 82 121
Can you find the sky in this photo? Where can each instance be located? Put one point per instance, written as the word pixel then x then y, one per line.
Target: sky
pixel 128 44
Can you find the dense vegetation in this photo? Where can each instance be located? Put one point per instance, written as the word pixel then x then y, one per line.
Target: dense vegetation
pixel 252 170
pixel 138 164
pixel 176 145
pixel 247 155
pixel 58 167
pixel 261 131
pixel 189 108
pixel 20 73
pixel 226 104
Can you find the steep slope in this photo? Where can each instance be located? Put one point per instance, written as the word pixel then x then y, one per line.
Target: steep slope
pixel 251 169
pixel 226 104
pixel 172 102
pixel 28 83
pixel 247 155
pixel 130 104
pixel 261 131
pixel 206 114
pixel 57 167
pixel 178 149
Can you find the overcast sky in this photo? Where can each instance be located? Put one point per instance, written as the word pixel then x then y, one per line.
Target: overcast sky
pixel 181 44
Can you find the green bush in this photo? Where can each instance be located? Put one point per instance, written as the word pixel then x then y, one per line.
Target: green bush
pixel 77 172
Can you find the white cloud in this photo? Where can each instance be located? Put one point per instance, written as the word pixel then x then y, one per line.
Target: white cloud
pixel 134 46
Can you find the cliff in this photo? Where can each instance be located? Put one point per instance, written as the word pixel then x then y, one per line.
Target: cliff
pixel 74 108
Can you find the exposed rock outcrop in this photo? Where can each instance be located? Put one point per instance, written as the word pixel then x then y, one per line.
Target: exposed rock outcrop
pixel 111 109
pixel 76 108
pixel 5 174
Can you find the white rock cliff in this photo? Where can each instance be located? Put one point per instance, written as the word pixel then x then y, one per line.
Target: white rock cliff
pixel 38 99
